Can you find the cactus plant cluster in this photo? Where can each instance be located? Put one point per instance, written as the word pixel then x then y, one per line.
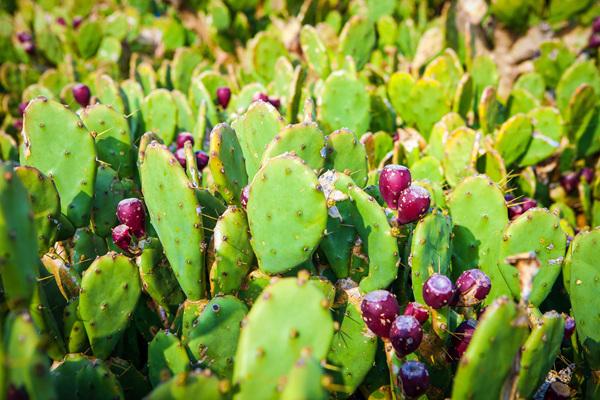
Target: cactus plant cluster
pixel 342 199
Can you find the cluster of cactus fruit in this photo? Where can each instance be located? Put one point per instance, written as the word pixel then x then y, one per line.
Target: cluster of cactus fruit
pixel 298 200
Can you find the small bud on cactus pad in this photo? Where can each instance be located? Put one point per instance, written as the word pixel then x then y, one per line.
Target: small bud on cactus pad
pixel 201 159
pixel 223 96
pixel 413 203
pixel 275 102
pixel 131 213
pixel 77 21
pixel 82 94
pixel 462 337
pixel 379 308
pixel 393 180
pixel 405 335
pixel 182 138
pixel 414 377
pixel 569 181
pixel 569 327
pixel 438 291
pixel 558 391
pixel 260 97
pixel 528 204
pixel 121 236
pixel 417 310
pixel 24 37
pixel 180 156
pixel 473 286
pixel 587 173
pixel 244 196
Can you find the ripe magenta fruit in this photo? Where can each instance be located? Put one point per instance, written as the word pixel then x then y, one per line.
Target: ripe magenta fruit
pixel 131 213
pixel 462 337
pixel 405 335
pixel 392 181
pixel 413 203
pixel 201 159
pixel 180 156
pixel 417 310
pixel 121 236
pixel 379 308
pixel 414 377
pixel 182 138
pixel 473 286
pixel 569 327
pixel 82 94
pixel 569 181
pixel 223 96
pixel 438 291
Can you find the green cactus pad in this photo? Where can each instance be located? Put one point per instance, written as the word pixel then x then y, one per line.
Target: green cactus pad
pixel 344 103
pixel 110 289
pixel 537 230
pixel 430 250
pixel 305 140
pixel 279 243
pixel 213 338
pixel 75 173
pixel 485 73
pixel 45 204
pixel 338 241
pixel 305 381
pixel 176 216
pixel 513 138
pixel 520 101
pixel 440 132
pixel 198 94
pixel 233 254
pixel 226 163
pixel 184 62
pixel 460 154
pixel 427 168
pixel 78 376
pixel 547 133
pixel 533 83
pixel 73 330
pixel 158 279
pixel 255 130
pixel 315 51
pixel 167 357
pixel 491 111
pixel 266 354
pixel 160 114
pixel 373 227
pixel 463 97
pixel 86 247
pixel 357 39
pixel 584 277
pixel 347 155
pixel 188 385
pixel 185 116
pixel 577 74
pixel 554 59
pixel 539 353
pixel 429 94
pixel 263 51
pixel 479 216
pixel 134 96
pixel 447 70
pixel 398 89
pixel 108 93
pixel 18 241
pixel 353 346
pixel 491 352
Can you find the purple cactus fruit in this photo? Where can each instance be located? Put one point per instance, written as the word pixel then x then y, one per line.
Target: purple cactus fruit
pixel 18 124
pixel 558 391
pixel 417 310
pixel 392 181
pixel 569 327
pixel 438 291
pixel 569 181
pixel 275 102
pixel 594 41
pixel 515 211
pixel 413 203
pixel 77 20
pixel 528 204
pixel 29 48
pixel 473 286
pixel 587 173
pixel 121 236
pixel 131 213
pixel 61 21
pixel 82 94
pixel 414 377
pixel 223 96
pixel 462 337
pixel 182 138
pixel 201 159
pixel 596 25
pixel 405 335
pixel 379 308
pixel 509 197
pixel 260 96
pixel 180 156
pixel 244 196
pixel 22 107
pixel 24 37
